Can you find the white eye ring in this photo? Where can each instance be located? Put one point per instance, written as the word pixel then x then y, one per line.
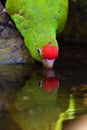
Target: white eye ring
pixel 38 51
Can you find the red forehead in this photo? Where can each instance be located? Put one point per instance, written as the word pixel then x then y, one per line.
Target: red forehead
pixel 50 52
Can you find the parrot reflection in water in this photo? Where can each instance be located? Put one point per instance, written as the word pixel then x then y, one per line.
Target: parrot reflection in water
pixel 50 82
pixel 38 21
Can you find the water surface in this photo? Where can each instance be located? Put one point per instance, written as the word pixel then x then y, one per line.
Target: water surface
pixel 35 98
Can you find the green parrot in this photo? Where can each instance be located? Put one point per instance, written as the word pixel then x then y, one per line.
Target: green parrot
pixel 38 21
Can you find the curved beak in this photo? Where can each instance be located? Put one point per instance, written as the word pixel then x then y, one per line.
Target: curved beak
pixel 48 63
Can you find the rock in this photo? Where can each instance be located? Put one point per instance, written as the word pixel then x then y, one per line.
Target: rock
pixel 12 49
pixel 76 27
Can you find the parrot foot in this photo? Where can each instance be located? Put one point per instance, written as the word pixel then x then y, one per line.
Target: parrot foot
pixel 4 11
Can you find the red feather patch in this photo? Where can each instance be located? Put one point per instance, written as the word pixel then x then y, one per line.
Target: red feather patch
pixel 50 52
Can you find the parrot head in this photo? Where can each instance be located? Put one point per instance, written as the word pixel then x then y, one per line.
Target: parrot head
pixel 45 53
pixel 49 54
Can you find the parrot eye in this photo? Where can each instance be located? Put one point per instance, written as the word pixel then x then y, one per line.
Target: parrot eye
pixel 38 50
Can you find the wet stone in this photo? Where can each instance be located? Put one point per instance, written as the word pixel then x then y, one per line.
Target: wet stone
pixel 12 48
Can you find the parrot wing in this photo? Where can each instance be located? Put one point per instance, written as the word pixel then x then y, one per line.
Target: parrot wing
pixel 56 10
pixel 62 15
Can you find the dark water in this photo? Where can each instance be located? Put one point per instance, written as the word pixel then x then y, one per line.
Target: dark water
pixel 34 98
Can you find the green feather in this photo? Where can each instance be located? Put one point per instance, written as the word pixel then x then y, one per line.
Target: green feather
pixel 38 21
